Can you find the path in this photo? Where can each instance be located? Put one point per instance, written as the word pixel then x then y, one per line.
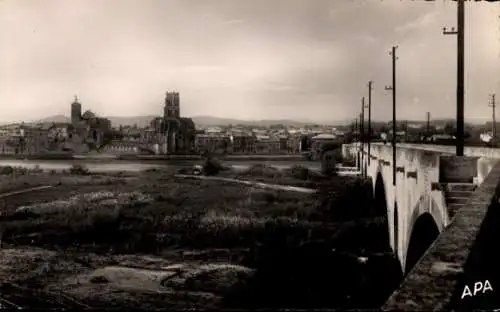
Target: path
pixel 31 189
pixel 251 183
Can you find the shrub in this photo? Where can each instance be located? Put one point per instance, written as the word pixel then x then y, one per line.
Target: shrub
pixel 263 171
pixel 212 166
pixel 37 169
pixel 6 170
pixel 300 172
pixel 79 170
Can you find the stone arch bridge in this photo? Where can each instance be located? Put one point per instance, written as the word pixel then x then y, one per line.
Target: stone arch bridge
pixel 431 185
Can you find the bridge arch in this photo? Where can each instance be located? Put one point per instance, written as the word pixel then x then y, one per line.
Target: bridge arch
pixel 424 233
pixel 380 211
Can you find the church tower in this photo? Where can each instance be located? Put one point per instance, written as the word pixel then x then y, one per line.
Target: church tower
pixel 76 111
pixel 172 105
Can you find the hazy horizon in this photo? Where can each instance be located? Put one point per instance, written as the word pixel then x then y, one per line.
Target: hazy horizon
pixel 478 121
pixel 248 60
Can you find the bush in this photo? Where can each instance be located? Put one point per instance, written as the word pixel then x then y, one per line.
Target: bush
pixel 300 172
pixel 212 167
pixel 79 170
pixel 262 170
pixel 6 170
pixel 37 169
pixel 346 199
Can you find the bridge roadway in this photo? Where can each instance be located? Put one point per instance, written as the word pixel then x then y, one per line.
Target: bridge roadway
pixel 434 214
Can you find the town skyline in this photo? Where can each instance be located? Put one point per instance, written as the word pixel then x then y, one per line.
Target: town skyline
pixel 287 60
pixel 205 120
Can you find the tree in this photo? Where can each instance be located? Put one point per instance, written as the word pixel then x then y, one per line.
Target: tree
pixel 450 129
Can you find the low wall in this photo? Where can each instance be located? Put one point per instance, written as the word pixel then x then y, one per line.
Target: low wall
pixel 457 169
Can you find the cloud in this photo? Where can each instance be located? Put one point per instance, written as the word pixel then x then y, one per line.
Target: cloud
pixel 235 58
pixel 233 22
pixel 419 23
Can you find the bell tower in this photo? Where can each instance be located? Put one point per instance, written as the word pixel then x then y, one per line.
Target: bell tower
pixel 76 111
pixel 172 105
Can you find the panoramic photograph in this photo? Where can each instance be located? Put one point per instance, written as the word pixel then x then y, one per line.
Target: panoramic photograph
pixel 249 154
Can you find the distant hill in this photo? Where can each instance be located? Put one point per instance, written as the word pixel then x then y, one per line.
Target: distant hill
pixel 207 121
pixel 144 121
pixel 56 118
pixel 217 121
pixel 141 121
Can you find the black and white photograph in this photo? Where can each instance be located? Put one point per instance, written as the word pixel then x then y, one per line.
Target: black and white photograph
pixel 250 154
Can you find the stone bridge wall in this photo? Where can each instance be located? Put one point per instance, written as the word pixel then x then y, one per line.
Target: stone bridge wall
pixel 466 253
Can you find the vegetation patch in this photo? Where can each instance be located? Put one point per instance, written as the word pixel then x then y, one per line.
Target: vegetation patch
pixel 260 247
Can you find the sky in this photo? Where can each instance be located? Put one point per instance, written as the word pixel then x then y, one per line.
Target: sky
pixel 245 59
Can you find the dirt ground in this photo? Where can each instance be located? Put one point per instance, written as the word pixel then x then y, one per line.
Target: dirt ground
pixel 151 240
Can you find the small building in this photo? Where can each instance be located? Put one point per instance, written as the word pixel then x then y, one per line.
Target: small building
pixel 283 139
pixel 294 144
pixel 242 143
pixel 213 143
pixel 265 144
pixel 319 141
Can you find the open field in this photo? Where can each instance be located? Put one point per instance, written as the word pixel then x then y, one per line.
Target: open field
pixel 151 240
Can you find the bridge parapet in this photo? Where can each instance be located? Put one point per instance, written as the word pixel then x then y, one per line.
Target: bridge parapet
pixel 486 157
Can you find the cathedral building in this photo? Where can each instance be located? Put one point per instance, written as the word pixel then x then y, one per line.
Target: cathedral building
pixel 175 133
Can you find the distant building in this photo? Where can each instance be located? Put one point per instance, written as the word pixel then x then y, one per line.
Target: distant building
pixel 319 141
pixel 242 143
pixel 265 144
pixel 212 143
pixel 174 134
pixel 294 144
pixel 486 137
pixel 87 128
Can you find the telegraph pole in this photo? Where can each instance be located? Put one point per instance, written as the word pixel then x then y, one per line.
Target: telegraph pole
pixel 369 119
pixel 492 104
pixel 362 134
pixel 393 88
pixel 356 128
pixel 406 131
pixel 428 124
pixel 460 74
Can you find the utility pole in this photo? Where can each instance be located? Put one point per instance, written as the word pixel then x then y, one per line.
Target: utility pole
pixel 406 131
pixel 460 74
pixel 360 141
pixel 356 129
pixel 370 83
pixel 362 134
pixel 393 88
pixel 428 125
pixel 492 104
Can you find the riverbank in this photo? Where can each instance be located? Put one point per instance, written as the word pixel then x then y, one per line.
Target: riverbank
pixel 136 157
pixel 151 240
pixel 111 165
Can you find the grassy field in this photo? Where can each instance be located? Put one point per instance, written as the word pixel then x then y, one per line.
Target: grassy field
pixel 152 240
